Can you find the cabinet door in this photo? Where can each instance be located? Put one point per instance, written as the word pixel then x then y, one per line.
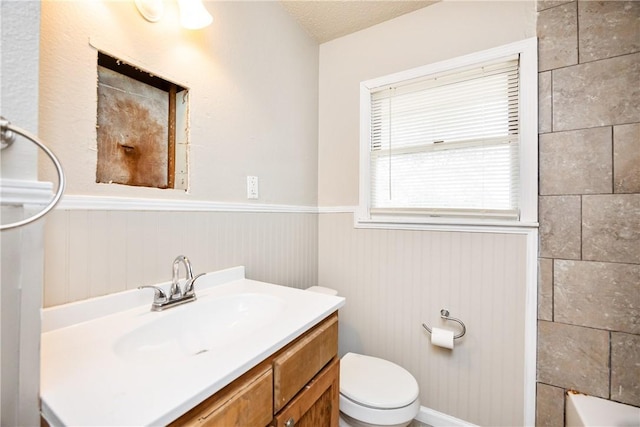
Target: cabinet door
pixel 303 360
pixel 246 402
pixel 318 402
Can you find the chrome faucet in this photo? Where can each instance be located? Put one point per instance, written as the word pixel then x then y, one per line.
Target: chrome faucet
pixel 176 292
pixel 177 296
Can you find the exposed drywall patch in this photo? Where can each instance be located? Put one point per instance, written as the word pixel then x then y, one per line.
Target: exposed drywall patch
pixel 136 127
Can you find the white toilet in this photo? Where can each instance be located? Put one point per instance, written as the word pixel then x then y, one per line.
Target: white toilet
pixel 374 392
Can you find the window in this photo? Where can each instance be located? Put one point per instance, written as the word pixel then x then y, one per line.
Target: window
pixel 452 142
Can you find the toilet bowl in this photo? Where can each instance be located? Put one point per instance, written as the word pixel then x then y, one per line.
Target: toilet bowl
pixel 374 392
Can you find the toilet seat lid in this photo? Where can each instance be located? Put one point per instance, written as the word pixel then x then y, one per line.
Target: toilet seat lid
pixel 375 382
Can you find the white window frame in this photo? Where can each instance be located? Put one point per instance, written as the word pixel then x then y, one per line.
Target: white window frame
pixel 528 156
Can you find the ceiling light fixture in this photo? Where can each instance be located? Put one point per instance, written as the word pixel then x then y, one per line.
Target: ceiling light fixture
pixel 151 10
pixel 193 14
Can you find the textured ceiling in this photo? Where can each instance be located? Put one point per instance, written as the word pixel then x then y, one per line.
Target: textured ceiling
pixel 326 20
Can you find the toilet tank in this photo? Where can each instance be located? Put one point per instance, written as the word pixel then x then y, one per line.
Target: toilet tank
pixel 322 290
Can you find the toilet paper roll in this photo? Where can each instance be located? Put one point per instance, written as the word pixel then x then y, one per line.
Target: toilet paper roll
pixel 442 338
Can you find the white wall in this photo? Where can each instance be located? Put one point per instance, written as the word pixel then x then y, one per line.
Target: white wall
pixel 21 249
pixel 394 280
pixel 18 97
pixel 444 30
pixel 253 80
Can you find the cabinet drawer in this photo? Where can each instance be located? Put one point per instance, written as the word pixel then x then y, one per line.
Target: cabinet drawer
pixel 318 404
pixel 303 360
pixel 246 402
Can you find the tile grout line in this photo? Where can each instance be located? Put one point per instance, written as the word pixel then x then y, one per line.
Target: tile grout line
pixel 553 290
pixel 613 164
pixel 581 229
pixel 610 358
pixel 551 73
pixel 578 31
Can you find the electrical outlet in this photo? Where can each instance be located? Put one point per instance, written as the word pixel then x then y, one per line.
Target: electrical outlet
pixel 252 187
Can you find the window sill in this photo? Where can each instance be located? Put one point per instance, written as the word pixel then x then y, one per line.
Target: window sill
pixel 446 224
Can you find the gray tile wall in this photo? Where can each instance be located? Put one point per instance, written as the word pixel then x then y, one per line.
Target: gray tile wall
pixel 589 204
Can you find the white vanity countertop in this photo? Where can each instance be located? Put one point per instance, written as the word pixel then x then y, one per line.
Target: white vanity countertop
pixel 86 381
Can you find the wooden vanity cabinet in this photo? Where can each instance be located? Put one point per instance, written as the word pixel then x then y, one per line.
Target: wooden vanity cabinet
pixel 297 386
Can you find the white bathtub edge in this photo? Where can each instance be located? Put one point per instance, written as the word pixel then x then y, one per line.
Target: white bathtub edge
pixel 582 410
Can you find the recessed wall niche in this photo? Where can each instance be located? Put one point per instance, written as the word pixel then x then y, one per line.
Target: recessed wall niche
pixel 142 130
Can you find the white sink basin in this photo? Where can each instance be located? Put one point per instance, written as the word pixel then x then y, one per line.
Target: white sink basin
pixel 209 323
pixel 112 361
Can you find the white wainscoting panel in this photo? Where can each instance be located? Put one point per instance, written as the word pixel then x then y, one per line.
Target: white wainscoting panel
pixel 21 277
pixel 96 252
pixel 394 280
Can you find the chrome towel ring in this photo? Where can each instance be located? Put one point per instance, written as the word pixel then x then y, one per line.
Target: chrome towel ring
pixel 7 137
pixel 445 315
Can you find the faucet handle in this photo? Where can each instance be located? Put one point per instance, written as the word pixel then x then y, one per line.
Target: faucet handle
pixel 188 286
pixel 159 296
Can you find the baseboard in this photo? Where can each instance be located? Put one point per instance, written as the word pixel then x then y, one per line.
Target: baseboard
pixel 438 419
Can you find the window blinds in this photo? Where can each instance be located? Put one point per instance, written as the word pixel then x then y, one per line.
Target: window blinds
pixel 448 144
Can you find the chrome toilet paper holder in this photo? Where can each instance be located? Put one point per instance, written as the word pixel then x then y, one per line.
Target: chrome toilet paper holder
pixel 444 313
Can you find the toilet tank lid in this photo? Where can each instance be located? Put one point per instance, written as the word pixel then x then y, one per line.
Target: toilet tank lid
pixel 375 382
pixel 322 290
